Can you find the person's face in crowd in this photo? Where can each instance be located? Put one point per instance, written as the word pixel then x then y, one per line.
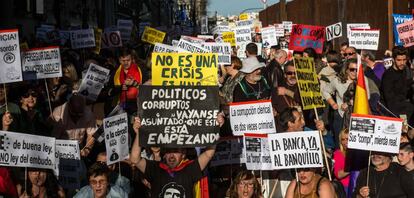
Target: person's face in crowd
pixel 400 62
pixel 255 76
pixel 305 55
pixel 172 193
pixel 282 59
pixel 350 53
pixel 102 159
pixel 344 140
pixel 173 159
pixel 99 185
pixel 228 68
pixel 29 99
pixel 305 175
pixel 290 75
pixel 299 122
pixel 37 177
pixel 245 188
pixel 125 61
pixel 352 71
pixel 380 160
pixel 404 157
pixel 343 48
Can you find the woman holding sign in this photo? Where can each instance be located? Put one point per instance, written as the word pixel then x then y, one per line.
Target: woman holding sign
pixel 41 183
pixel 310 184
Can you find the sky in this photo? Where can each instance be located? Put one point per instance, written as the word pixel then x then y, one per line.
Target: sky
pixel 234 7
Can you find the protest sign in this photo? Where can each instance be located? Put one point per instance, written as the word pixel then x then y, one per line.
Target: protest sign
pixel 279 30
pixel 252 117
pixel 68 158
pixel 159 47
pixel 406 33
pixel 192 39
pixel 304 36
pixel 116 138
pixel 204 25
pixel 82 38
pixel 184 69
pixel 350 26
pixel 178 116
pixel 152 35
pixel 375 133
pixel 364 38
pixel 295 150
pixel 229 37
pixel 399 19
pixel 205 37
pixel 223 50
pixel 93 82
pixel 269 36
pixel 334 31
pixel 228 151
pixel 287 26
pixel 98 40
pixel 125 27
pixel 11 69
pixel 42 63
pixel 256 149
pixel 308 83
pixel 243 35
pixel 388 62
pixel 111 39
pixel 220 29
pixel 245 23
pixel 244 16
pixel 24 150
pixel 186 46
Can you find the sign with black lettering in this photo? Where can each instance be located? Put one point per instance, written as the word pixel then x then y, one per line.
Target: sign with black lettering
pixel 229 150
pixel 24 150
pixel 364 38
pixel 111 39
pixel 11 69
pixel 160 47
pixel 125 27
pixel 375 133
pixel 223 50
pixel 186 46
pixel 82 38
pixel 93 82
pixel 295 150
pixel 68 160
pixel 116 138
pixel 42 63
pixel 334 31
pixel 178 116
pixel 256 149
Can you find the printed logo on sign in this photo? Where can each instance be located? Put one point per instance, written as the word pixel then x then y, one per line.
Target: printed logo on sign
pixel 9 58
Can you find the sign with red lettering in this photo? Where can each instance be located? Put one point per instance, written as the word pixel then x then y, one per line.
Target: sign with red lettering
pixel 304 36
pixel 406 33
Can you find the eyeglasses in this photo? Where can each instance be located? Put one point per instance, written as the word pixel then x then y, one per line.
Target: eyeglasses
pixel 349 54
pixel 32 93
pixel 352 69
pixel 244 184
pixel 98 182
pixel 290 73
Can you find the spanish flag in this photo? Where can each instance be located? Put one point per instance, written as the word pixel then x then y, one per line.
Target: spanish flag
pixel 361 105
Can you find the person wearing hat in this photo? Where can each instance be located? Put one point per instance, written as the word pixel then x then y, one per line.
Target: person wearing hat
pixel 253 86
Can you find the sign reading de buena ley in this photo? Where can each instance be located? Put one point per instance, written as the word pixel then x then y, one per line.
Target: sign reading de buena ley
pixel 178 116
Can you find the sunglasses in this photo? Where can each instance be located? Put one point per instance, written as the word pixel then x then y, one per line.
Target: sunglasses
pixel 349 54
pixel 289 73
pixel 32 93
pixel 352 69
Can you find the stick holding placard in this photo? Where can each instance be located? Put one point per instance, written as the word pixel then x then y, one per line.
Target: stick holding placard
pixel 48 97
pixel 5 97
pixel 369 164
pixel 323 147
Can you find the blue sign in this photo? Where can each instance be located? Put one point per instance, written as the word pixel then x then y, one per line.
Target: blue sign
pixel 398 19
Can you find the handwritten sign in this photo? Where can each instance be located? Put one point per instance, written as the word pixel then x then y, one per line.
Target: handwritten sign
pixel 406 33
pixel 304 36
pixel 399 19
pixel 152 35
pixel 334 31
pixel 229 38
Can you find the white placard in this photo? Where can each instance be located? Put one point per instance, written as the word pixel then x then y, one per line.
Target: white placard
pixel 111 39
pixel 269 36
pixel 375 133
pixel 116 138
pixel 125 27
pixel 245 23
pixel 295 150
pixel 42 63
pixel 350 26
pixel 10 62
pixel 221 28
pixel 185 46
pixel 333 31
pixel 252 117
pixel 228 151
pixel 93 82
pixel 287 26
pixel 24 150
pixel 67 149
pixel 256 149
pixel 222 49
pixel 82 38
pixel 68 160
pixel 160 47
pixel 364 39
pixel 279 30
pixel 205 37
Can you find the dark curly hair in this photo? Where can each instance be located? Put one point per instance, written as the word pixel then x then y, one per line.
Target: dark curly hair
pixel 51 184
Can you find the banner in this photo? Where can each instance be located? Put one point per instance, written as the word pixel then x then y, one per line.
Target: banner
pixel 42 63
pixel 252 117
pixel 11 68
pixel 399 19
pixel 295 150
pixel 304 36
pixel 152 35
pixel 178 116
pixel 82 38
pixel 223 50
pixel 228 151
pixel 269 37
pixel 350 26
pixel 375 133
pixel 184 69
pixel 116 138
pixel 364 38
pixel 111 39
pixel 68 160
pixel 24 150
pixel 257 152
pixel 229 38
pixel 159 47
pixel 94 81
pixel 125 27
pixel 334 31
pixel 308 83
pixel 406 33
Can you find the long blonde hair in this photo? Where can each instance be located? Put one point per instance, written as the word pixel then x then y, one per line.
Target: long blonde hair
pixel 343 132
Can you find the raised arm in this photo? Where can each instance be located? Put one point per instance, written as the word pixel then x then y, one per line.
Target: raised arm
pixel 135 156
pixel 206 156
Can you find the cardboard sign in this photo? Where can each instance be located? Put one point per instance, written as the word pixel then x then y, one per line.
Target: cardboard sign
pixel 308 83
pixel 252 117
pixel 364 38
pixel 82 38
pixel 23 150
pixel 334 31
pixel 178 116
pixel 228 151
pixel 375 133
pixel 229 37
pixel 184 69
pixel 111 39
pixel 399 19
pixel 269 36
pixel 125 27
pixel 304 36
pixel 159 47
pixel 10 70
pixel 350 26
pixel 93 82
pixel 256 149
pixel 68 156
pixel 152 35
pixel 295 150
pixel 42 63
pixel 186 46
pixel 406 33
pixel 116 138
pixel 223 50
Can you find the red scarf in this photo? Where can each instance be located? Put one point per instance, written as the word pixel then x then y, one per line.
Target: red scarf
pixel 134 73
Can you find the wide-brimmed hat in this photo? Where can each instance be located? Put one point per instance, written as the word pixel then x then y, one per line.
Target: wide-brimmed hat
pixel 250 64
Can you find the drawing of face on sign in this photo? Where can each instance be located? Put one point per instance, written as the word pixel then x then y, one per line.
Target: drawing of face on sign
pixel 114 155
pixel 172 190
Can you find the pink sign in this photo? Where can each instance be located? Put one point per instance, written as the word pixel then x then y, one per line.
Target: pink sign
pixel 406 33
